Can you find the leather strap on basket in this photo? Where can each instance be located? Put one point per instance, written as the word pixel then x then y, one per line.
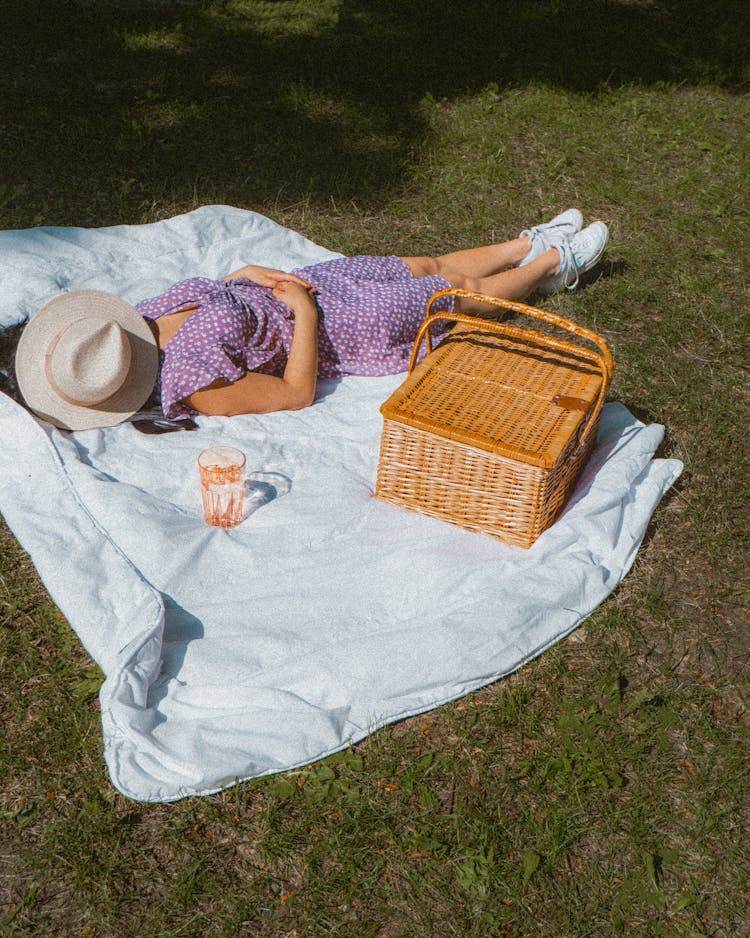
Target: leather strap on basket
pixel 603 359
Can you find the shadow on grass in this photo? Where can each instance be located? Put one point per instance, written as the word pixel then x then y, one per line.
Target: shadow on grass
pixel 120 103
pixel 606 270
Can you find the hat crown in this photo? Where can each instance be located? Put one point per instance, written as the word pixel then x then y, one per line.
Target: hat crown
pixel 86 359
pixel 89 360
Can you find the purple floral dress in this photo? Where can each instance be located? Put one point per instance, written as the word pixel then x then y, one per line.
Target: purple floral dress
pixel 369 311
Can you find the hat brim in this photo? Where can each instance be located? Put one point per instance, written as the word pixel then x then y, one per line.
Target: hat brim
pixel 40 332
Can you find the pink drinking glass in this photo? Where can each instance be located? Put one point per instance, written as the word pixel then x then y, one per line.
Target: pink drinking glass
pixel 222 472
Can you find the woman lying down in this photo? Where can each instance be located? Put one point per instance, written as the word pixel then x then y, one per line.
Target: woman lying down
pixel 258 340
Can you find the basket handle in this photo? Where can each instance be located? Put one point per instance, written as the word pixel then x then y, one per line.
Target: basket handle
pixel 603 359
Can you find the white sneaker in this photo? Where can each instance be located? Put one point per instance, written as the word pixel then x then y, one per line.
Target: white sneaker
pixel 577 256
pixel 552 233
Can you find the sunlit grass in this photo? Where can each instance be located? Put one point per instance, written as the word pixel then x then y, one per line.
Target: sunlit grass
pixel 273 18
pixel 156 40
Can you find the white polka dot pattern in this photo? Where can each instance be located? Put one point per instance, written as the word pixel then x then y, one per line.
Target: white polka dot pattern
pixel 370 309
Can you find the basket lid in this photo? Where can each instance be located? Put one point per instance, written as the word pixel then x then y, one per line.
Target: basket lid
pixel 517 398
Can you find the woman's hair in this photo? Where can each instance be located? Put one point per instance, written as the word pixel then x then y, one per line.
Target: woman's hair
pixel 8 343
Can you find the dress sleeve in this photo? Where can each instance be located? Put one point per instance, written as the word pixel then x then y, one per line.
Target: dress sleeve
pixel 178 295
pixel 224 339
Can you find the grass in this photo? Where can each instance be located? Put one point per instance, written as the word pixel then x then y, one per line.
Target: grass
pixel 603 789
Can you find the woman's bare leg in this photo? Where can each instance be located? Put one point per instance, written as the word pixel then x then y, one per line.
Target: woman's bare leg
pixel 474 262
pixel 516 284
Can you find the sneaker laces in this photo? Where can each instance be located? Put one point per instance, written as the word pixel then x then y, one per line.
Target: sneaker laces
pixel 536 237
pixel 537 233
pixel 568 265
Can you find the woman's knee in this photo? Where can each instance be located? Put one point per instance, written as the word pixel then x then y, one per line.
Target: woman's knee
pixel 463 282
pixel 421 266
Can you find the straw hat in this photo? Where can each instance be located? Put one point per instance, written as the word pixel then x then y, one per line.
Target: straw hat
pixel 86 359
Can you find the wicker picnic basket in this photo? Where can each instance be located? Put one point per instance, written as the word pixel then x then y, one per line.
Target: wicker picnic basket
pixel 491 430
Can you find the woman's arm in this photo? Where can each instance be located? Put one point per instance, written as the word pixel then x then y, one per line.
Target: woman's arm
pixel 262 394
pixel 267 277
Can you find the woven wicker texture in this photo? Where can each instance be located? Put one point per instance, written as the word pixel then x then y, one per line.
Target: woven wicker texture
pixel 499 394
pixel 491 430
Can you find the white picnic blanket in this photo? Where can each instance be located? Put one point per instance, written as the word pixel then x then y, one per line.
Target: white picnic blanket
pixel 327 613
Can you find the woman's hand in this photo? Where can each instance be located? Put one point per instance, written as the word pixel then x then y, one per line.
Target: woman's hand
pixel 268 277
pixel 295 296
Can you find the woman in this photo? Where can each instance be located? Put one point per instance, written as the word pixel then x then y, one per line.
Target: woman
pixel 258 340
